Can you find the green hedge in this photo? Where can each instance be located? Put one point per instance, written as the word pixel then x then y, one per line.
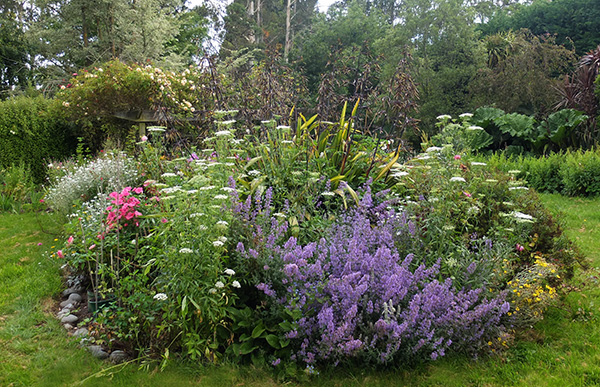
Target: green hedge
pixel 572 173
pixel 31 132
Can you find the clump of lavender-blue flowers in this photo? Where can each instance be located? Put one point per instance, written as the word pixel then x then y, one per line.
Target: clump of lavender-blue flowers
pixel 359 298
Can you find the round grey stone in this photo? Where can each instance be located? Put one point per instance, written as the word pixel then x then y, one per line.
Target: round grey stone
pixel 69 319
pixel 81 332
pixel 118 356
pixel 74 297
pixel 98 352
pixel 68 326
pixel 74 289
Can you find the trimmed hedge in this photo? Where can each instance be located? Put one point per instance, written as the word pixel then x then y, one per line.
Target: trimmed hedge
pixel 571 173
pixel 32 133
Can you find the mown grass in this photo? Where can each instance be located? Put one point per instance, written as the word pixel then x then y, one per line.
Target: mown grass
pixel 563 350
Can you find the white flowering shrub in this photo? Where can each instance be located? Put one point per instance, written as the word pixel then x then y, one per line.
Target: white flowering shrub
pixel 102 175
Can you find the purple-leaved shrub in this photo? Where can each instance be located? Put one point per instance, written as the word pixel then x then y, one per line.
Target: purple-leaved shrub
pixel 359 298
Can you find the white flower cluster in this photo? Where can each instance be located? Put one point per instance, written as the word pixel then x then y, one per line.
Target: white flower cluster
pixel 106 174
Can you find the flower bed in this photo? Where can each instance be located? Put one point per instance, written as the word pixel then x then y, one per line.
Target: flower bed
pixel 294 250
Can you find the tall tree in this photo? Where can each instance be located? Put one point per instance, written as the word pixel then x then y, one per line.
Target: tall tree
pixel 571 20
pixel 15 50
pixel 71 34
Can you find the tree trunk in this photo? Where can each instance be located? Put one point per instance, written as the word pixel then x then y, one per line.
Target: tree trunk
pixel 288 28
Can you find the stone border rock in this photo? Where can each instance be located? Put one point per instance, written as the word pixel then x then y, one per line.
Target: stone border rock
pixel 72 310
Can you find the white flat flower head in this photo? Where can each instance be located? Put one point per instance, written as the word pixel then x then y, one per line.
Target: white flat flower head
pixel 160 296
pixel 466 115
pixel 222 133
pixel 444 117
pixel 220 197
pixel 236 284
pixel 186 250
pixel 229 272
pixel 219 285
pixel 475 127
pixel 433 149
pixel 458 178
pixel 217 243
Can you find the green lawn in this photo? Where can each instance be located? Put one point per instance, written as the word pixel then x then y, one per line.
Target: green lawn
pixel 563 350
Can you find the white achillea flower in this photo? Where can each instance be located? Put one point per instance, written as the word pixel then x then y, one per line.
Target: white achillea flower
pixel 160 296
pixel 186 250
pixel 466 115
pixel 520 215
pixel 222 133
pixel 212 290
pixel 219 285
pixel 168 174
pixel 443 117
pixel 328 193
pixel 222 223
pixel 220 197
pixel 236 284
pixel 227 189
pixel 475 127
pixel 433 149
pixel 518 188
pixel 229 272
pixel 458 178
pixel 217 243
pixel 209 187
pixel 254 172
pixel 478 163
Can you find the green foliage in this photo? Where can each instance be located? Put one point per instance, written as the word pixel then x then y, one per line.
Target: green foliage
pixel 573 21
pixel 17 190
pixel 31 133
pixel 94 99
pixel 581 173
pixel 522 73
pixel 571 173
pixel 70 35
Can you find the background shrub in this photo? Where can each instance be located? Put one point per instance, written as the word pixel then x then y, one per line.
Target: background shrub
pixel 31 133
pixel 581 173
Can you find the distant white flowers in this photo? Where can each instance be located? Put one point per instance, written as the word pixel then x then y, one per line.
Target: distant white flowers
pixel 433 149
pixel 222 133
pixel 220 197
pixel 186 250
pixel 458 178
pixel 219 285
pixel 518 188
pixel 160 296
pixel 229 272
pixel 444 117
pixel 466 115
pixel 475 127
pixel 217 243
pixel 477 163
pixel 236 284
